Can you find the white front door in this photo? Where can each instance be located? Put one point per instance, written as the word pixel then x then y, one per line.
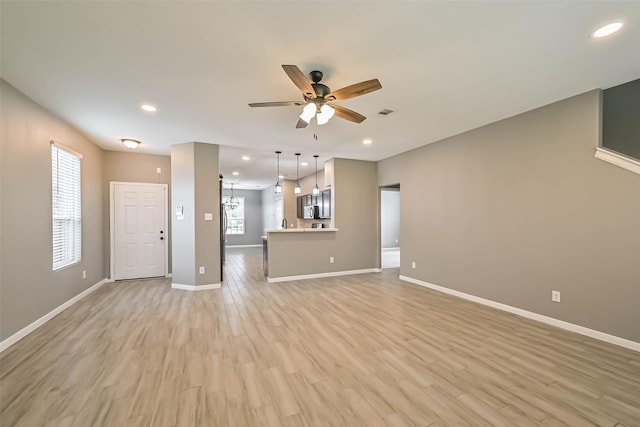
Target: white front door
pixel 139 230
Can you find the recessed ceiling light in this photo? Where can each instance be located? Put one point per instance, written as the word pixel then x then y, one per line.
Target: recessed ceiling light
pixel 246 158
pixel 148 107
pixel 304 164
pixel 606 30
pixel 367 141
pixel 235 173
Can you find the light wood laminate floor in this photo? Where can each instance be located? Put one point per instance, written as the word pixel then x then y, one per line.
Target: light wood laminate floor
pixel 365 350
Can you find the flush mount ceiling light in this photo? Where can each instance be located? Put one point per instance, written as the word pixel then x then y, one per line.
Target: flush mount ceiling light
pixel 235 173
pixel 232 202
pixel 130 143
pixel 316 189
pixel 149 108
pixel 304 164
pixel 367 141
pixel 278 187
pixel 607 30
pixel 297 189
pixel 246 158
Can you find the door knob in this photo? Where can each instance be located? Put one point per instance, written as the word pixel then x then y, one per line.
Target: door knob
pixel 161 238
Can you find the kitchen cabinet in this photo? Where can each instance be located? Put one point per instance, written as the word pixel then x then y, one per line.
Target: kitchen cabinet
pixel 325 205
pixel 322 200
pixel 300 207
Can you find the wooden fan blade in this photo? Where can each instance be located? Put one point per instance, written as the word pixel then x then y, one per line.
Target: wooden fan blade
pixel 300 80
pixel 275 104
pixel 347 114
pixel 352 91
pixel 301 124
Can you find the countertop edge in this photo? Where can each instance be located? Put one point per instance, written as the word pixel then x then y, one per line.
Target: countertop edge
pixel 302 230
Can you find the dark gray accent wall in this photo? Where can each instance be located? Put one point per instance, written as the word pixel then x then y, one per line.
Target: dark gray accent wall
pixel 390 218
pixel 621 119
pixel 252 218
pixel 516 209
pixel 29 288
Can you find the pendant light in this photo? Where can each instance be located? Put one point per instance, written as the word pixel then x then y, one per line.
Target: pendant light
pixel 297 189
pixel 232 202
pixel 316 189
pixel 278 186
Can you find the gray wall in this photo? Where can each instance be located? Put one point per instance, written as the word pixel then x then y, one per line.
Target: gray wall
pixel 621 119
pixel 29 288
pixel 196 242
pixel 252 218
pixel 289 207
pixel 390 218
pixel 518 208
pixel 133 167
pixel 354 246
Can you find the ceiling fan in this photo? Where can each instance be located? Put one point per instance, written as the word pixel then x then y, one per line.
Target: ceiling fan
pixel 319 99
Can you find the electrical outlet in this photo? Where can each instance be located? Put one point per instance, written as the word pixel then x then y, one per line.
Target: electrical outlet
pixel 555 296
pixel 413 264
pixel 201 270
pixel 84 274
pixel 331 259
pixel 158 171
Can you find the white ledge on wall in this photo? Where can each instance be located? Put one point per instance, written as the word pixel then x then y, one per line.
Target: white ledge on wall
pixel 617 159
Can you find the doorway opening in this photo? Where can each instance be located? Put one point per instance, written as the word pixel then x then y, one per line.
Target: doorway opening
pixel 390 226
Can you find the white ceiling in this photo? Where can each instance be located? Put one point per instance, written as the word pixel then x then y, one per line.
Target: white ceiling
pixel 445 68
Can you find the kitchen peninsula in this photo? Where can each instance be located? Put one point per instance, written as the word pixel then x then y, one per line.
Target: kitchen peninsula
pixel 348 246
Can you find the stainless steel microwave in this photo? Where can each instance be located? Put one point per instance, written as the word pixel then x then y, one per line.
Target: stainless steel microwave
pixel 312 212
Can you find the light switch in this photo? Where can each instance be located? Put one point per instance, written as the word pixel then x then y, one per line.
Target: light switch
pixel 208 216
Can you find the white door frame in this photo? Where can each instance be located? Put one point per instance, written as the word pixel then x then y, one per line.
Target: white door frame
pixel 112 186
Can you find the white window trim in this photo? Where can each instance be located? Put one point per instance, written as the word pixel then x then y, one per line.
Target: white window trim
pixel 75 260
pixel 244 217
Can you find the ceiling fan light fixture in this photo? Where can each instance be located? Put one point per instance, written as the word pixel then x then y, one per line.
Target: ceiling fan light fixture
pixel 308 112
pixel 325 114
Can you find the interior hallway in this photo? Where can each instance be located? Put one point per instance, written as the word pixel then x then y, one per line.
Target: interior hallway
pixel 359 350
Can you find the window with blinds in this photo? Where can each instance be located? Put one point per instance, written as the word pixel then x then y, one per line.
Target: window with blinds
pixel 65 207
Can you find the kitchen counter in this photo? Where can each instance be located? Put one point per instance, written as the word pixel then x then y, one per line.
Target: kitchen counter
pixel 302 230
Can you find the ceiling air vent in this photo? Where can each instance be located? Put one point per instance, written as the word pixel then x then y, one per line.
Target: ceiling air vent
pixel 385 112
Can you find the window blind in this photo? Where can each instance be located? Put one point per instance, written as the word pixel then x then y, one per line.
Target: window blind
pixel 66 207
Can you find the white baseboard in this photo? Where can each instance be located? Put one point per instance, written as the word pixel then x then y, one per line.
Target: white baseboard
pixel 244 246
pixel 195 287
pixel 612 339
pixel 320 275
pixel 50 315
pixel 620 160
